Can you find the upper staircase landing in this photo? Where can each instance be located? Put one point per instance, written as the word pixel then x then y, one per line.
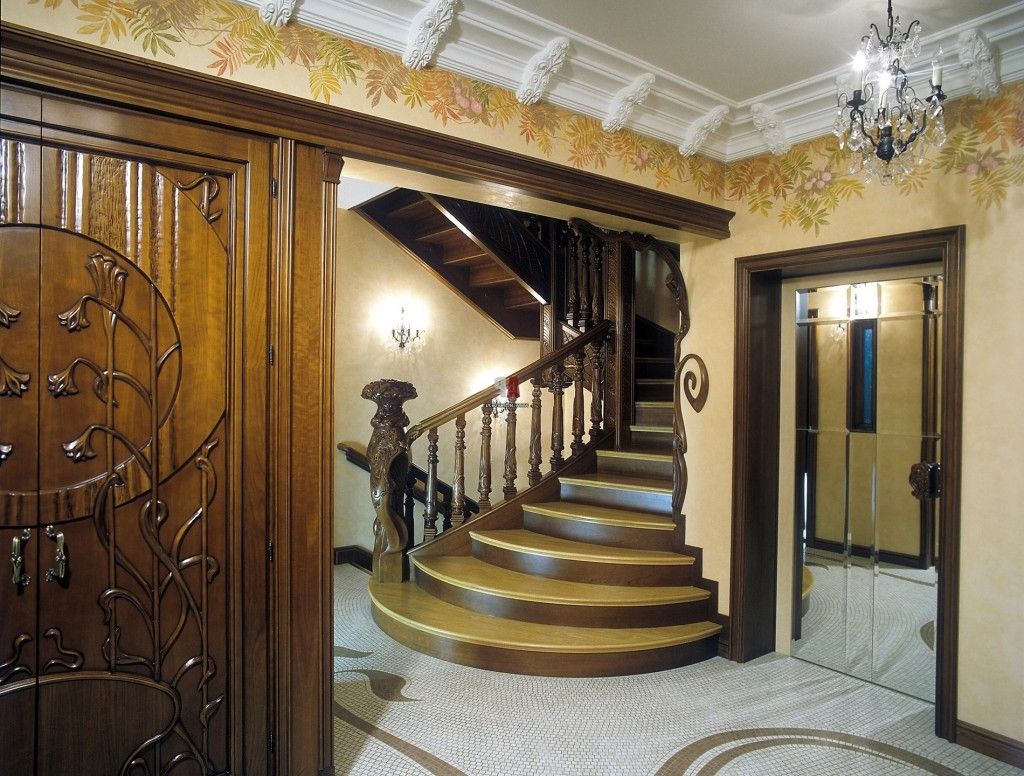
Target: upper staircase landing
pixel 481 252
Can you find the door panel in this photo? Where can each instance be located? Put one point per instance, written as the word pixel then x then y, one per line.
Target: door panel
pixel 133 273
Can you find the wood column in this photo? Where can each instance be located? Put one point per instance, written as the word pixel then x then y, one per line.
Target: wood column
pixel 301 459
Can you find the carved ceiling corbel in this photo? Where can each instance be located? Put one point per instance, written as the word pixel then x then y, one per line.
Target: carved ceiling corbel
pixel 773 133
pixel 626 101
pixel 541 69
pixel 978 59
pixel 277 13
pixel 428 27
pixel 697 133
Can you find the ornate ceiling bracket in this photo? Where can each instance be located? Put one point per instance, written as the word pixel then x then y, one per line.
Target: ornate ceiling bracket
pixel 428 27
pixel 277 13
pixel 978 59
pixel 541 69
pixel 626 101
pixel 767 123
pixel 697 134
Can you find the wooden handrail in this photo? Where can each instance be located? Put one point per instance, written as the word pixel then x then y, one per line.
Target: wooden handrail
pixel 356 455
pixel 491 392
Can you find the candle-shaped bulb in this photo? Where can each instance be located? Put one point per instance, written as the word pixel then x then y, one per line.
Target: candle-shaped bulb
pixel 937 69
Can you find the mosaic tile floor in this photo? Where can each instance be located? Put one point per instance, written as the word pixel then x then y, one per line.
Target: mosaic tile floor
pixel 879 627
pixel 399 713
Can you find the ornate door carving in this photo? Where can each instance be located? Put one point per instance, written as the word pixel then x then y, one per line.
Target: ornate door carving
pixel 122 331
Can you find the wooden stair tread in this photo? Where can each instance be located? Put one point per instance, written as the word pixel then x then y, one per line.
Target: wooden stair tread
pixel 421 611
pixel 654 381
pixel 652 429
pixel 474 574
pixel 637 454
pixel 593 513
pixel 619 482
pixel 653 359
pixel 531 542
pixel 660 405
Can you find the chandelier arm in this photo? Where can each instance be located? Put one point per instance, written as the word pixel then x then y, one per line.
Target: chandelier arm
pixel 874 28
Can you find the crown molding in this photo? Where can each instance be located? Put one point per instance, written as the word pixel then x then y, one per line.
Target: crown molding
pixel 494 41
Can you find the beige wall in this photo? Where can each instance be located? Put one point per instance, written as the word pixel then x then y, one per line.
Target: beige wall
pixel 461 352
pixel 991 672
pixel 980 184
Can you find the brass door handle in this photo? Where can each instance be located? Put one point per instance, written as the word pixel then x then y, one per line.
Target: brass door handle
pixel 19 578
pixel 59 571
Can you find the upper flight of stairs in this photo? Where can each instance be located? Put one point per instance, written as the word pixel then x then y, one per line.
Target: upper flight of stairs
pixel 584 585
pixel 450 237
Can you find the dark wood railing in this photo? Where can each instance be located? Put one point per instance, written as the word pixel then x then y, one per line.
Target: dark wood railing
pixel 416 489
pixel 579 364
pixel 691 374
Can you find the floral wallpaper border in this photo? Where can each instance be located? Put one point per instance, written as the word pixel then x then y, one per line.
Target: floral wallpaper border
pixel 801 188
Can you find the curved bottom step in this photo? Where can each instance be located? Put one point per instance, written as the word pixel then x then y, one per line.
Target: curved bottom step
pixel 427 624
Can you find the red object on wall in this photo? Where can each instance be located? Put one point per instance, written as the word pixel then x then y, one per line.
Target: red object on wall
pixel 513 387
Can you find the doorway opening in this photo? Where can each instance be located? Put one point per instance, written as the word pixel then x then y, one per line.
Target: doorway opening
pixel 756 427
pixel 858 417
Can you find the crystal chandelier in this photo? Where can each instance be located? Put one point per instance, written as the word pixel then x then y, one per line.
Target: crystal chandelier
pixel 884 123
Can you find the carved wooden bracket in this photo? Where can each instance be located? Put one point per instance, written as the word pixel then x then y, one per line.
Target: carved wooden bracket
pixel 388 455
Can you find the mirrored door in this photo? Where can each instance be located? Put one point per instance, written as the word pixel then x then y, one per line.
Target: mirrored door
pixel 867 444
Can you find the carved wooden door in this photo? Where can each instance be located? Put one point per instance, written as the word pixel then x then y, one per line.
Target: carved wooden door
pixel 132 405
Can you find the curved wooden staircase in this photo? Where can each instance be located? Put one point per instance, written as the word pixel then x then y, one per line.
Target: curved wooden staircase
pixel 581 582
pixel 587 586
pixel 583 573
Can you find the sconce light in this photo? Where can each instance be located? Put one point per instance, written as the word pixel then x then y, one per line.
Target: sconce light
pixel 404 334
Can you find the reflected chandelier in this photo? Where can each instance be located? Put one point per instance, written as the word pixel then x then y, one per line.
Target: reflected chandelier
pixel 884 123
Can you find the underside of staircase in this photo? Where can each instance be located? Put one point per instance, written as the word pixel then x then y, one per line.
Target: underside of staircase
pixel 584 582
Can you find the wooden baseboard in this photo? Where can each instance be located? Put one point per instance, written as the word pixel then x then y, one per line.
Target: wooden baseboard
pixel 354 554
pixel 723 637
pixel 991 744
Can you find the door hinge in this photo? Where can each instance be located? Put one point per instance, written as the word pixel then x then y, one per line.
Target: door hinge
pixel 270 741
pixel 270 355
pixel 270 551
pixel 273 187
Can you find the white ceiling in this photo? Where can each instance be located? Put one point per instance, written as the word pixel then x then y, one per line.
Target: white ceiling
pixel 703 53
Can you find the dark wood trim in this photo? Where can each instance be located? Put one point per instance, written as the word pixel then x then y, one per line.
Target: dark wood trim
pixel 863 551
pixel 755 434
pixel 34 57
pixel 991 744
pixel 354 554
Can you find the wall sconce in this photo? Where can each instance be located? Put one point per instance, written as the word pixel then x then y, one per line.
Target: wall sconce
pixel 404 334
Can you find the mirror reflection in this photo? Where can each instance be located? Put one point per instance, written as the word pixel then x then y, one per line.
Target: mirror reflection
pixel 867 449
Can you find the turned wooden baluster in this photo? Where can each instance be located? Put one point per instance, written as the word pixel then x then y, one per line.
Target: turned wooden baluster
pixel 459 481
pixel 596 388
pixel 510 451
pixel 579 423
pixel 485 458
pixel 430 494
pixel 534 475
pixel 388 457
pixel 572 302
pixel 558 386
pixel 597 261
pixel 585 299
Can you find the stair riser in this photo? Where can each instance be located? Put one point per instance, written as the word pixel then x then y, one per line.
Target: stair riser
pixel 584 570
pixel 599 533
pixel 634 467
pixel 657 392
pixel 644 501
pixel 640 616
pixel 546 663
pixel 654 416
pixel 658 440
pixel 659 369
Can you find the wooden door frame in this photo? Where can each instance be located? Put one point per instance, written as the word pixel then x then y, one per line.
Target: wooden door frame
pixel 755 516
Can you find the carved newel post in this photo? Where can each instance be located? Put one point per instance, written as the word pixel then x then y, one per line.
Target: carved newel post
pixel 389 466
